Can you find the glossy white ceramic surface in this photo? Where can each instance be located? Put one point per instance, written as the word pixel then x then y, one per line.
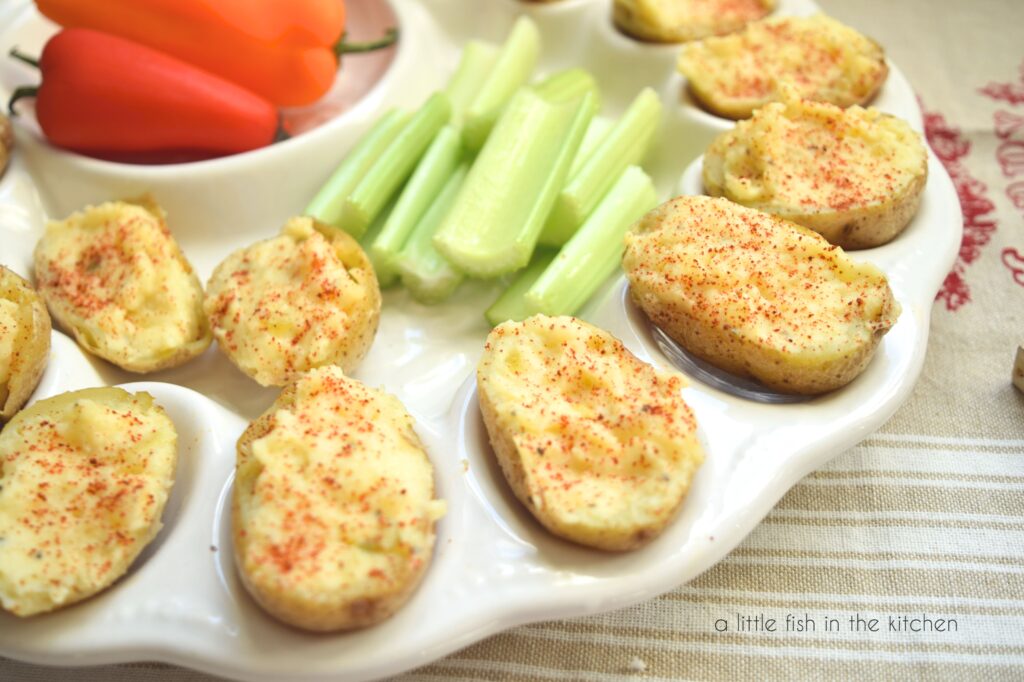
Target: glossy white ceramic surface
pixel 495 567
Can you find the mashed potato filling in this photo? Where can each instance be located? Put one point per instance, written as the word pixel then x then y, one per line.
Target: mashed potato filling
pixel 776 284
pixel 813 156
pixel 336 501
pixel 290 303
pixel 84 477
pixel 115 274
pixel 9 327
pixel 816 57
pixel 606 443
pixel 682 20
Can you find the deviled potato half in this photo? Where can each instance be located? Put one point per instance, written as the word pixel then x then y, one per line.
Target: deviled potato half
pixel 757 295
pixel 855 176
pixel 599 446
pixel 84 477
pixel 304 299
pixel 333 505
pixel 815 57
pixel 24 341
pixel 678 21
pixel 114 277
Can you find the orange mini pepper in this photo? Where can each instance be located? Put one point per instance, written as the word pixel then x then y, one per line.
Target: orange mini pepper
pixel 285 50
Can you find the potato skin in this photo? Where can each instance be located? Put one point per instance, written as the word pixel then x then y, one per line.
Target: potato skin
pixel 679 307
pixel 6 142
pixel 324 612
pixel 766 163
pixel 31 347
pixel 633 503
pixel 867 227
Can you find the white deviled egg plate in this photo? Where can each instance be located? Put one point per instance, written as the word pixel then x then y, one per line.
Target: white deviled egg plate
pixel 495 567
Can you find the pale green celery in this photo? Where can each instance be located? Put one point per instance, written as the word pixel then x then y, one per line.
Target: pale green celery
pixel 595 251
pixel 477 61
pixel 431 174
pixel 327 204
pixel 386 273
pixel 425 272
pixel 512 68
pixel 493 227
pixel 511 305
pixel 568 85
pixel 624 145
pixel 394 165
pixel 596 132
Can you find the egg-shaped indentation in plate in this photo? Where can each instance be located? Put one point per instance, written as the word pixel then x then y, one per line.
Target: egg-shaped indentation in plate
pixel 448 595
pixel 167 585
pixel 525 550
pixel 527 574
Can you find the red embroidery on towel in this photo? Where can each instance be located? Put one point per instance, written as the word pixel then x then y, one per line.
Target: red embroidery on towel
pixel 1013 260
pixel 1012 93
pixel 950 146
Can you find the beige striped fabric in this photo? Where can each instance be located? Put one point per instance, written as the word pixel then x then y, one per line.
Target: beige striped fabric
pixel 917 534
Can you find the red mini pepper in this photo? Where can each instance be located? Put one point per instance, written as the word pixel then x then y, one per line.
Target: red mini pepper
pixel 284 50
pixel 102 94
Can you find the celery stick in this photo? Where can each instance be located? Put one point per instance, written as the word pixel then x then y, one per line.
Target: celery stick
pixel 478 59
pixel 386 273
pixel 596 132
pixel 327 204
pixel 394 165
pixel 497 217
pixel 433 171
pixel 512 68
pixel 425 273
pixel 595 251
pixel 567 85
pixel 511 305
pixel 624 145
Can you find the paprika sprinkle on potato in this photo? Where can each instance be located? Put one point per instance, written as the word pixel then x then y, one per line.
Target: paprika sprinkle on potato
pixel 114 276
pixel 757 295
pixel 853 175
pixel 306 298
pixel 599 446
pixel 83 485
pixel 333 504
pixel 817 57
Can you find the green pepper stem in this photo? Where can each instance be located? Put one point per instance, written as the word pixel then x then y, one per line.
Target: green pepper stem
pixel 24 91
pixel 281 134
pixel 21 56
pixel 343 47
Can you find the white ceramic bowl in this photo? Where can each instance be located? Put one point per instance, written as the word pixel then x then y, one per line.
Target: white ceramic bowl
pixel 495 567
